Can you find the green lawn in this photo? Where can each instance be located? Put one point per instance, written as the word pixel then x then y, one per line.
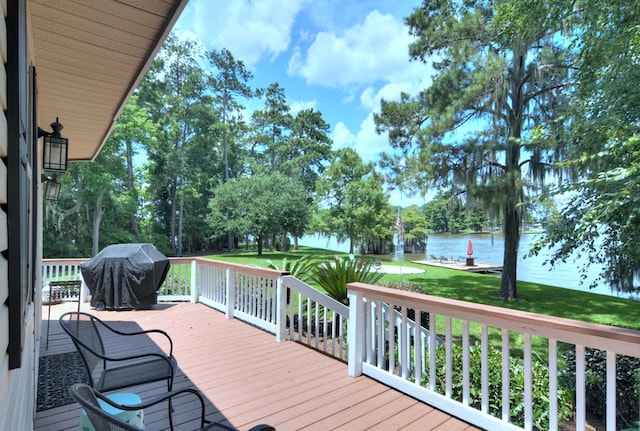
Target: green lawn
pixel 483 289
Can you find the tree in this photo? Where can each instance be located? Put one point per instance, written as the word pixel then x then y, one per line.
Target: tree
pixel 95 209
pixel 296 146
pixel 602 216
pixel 133 133
pixel 175 93
pixel 229 83
pixel 501 73
pixel 415 229
pixel 272 127
pixel 446 213
pixel 352 204
pixel 309 151
pixel 259 206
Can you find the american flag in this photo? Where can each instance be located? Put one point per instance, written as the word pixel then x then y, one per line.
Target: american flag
pixel 400 229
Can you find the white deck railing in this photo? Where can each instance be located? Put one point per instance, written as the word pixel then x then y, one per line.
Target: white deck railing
pixel 384 345
pixel 314 319
pixel 406 372
pixel 62 270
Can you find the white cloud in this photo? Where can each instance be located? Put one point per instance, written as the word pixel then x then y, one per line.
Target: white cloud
pixel 374 50
pixel 250 29
pixel 342 137
pixel 367 143
pixel 300 105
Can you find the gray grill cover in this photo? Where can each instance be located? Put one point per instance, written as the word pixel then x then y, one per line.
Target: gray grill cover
pixel 125 276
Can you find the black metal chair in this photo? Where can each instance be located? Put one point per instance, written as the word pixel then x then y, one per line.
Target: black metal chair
pixel 102 420
pixel 110 369
pixel 130 365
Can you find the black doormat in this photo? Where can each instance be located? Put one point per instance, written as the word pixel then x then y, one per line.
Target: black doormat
pixel 57 373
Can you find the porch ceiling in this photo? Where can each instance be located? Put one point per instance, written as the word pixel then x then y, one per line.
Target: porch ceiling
pixel 90 55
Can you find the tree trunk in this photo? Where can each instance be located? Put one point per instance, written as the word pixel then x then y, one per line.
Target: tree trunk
pixel 284 240
pixel 130 186
pixel 508 283
pixel 180 222
pixel 230 242
pixel 97 219
pixel 259 241
pixel 172 221
pixel 513 192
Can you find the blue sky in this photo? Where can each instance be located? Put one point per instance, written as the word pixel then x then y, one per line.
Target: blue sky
pixel 338 57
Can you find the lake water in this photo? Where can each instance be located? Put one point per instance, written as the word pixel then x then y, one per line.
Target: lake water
pixel 489 248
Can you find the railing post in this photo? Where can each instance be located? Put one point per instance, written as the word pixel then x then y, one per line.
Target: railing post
pixel 355 333
pixel 194 286
pixel 84 291
pixel 231 292
pixel 281 314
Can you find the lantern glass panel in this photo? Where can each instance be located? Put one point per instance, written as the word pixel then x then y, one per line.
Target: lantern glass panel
pixel 55 154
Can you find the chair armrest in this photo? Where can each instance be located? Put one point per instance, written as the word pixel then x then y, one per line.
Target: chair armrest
pixel 155 400
pixel 144 332
pixel 217 426
pixel 170 360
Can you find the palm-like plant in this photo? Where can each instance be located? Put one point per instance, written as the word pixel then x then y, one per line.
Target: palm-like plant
pixel 302 268
pixel 333 276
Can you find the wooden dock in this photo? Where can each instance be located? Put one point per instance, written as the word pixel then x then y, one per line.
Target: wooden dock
pixel 477 267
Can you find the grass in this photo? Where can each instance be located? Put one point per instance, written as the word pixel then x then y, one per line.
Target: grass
pixel 482 289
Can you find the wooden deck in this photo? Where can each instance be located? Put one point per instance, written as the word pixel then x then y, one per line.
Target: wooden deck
pixel 249 378
pixel 478 267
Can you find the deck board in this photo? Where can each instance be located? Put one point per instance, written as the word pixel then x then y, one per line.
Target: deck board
pixel 249 378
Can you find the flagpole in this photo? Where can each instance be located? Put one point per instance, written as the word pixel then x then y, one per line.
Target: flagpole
pixel 400 246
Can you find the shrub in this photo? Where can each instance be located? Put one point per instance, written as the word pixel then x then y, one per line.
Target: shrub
pixel 409 287
pixel 540 391
pixel 302 268
pixel 333 276
pixel 627 386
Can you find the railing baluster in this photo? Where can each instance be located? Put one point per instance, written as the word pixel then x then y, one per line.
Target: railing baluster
pixel 391 339
pixel 370 334
pixel 484 366
pixel 380 334
pixel 308 320
pixel 465 363
pixel 418 347
pixel 528 384
pixel 506 355
pixel 316 324
pixel 449 359
pixel 432 351
pixel 580 389
pixel 324 328
pixel 553 384
pixel 611 391
pixel 404 350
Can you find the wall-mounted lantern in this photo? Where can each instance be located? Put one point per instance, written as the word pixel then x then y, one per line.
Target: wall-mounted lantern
pixel 51 188
pixel 55 148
